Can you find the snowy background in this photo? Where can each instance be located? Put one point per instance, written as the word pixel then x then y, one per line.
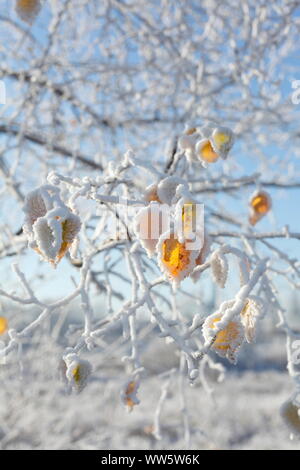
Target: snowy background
pixel 37 412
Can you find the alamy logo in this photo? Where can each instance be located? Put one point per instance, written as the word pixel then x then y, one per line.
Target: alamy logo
pixel 2 92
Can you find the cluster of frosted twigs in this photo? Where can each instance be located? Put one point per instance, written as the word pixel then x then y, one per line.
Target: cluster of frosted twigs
pixel 168 229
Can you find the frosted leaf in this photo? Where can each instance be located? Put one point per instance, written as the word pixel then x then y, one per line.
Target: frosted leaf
pixel 205 151
pixel 187 142
pixel 226 342
pixel 37 203
pixel 219 267
pixel 78 372
pixel 222 140
pixel 129 394
pixel 34 208
pixel 151 193
pixel 290 414
pixel 150 223
pixel 54 234
pixel 260 204
pixel 249 315
pixel 71 226
pixel 166 189
pixel 206 131
pixel 175 259
pixel 212 144
pixel 28 9
pixel 70 229
pixel 50 226
pixel 48 238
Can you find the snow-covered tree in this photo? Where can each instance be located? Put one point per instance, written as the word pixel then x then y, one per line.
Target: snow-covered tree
pixel 146 149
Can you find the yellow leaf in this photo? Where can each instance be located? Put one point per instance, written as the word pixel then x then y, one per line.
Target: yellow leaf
pixel 260 204
pixel 228 340
pixel 175 256
pixel 206 152
pixel 226 337
pixel 67 239
pixel 76 374
pixel 220 138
